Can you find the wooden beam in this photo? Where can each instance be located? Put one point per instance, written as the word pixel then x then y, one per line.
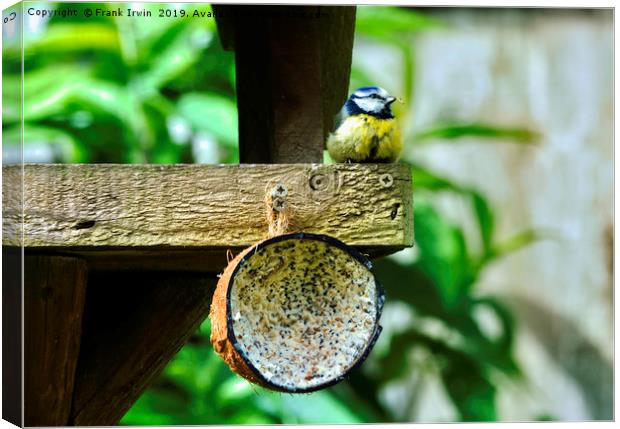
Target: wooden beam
pixel 292 69
pixel 54 291
pixel 134 324
pixel 159 209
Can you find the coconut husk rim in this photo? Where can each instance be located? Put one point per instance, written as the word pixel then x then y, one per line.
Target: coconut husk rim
pixel 222 333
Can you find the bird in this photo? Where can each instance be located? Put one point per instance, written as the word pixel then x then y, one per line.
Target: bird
pixel 366 130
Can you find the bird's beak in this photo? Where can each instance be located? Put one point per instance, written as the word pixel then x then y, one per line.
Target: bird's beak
pixel 390 100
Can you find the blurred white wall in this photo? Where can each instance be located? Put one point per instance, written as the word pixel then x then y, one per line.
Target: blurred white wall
pixel 550 71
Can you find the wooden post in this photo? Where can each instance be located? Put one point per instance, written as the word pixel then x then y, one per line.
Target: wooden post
pixel 12 366
pixel 54 291
pixel 293 65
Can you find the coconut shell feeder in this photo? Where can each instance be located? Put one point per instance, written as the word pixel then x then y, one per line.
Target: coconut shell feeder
pixel 296 312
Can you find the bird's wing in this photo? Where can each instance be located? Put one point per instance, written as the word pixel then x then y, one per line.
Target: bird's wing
pixel 338 120
pixel 340 117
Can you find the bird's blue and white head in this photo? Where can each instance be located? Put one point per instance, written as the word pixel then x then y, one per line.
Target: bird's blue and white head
pixel 370 100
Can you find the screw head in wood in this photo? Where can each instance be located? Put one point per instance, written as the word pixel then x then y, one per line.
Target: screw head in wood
pixel 386 180
pixel 278 204
pixel 279 191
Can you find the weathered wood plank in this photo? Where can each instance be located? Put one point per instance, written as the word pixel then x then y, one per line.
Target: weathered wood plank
pixel 54 291
pixel 134 323
pixel 193 207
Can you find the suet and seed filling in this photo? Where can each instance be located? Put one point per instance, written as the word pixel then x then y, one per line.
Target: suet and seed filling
pixel 303 312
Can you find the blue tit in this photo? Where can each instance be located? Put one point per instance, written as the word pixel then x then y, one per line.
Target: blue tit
pixel 367 130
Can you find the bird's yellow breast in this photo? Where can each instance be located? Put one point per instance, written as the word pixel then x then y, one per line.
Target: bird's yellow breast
pixel 365 138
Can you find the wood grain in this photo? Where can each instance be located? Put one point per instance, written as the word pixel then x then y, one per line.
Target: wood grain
pixel 134 323
pixel 292 71
pixel 193 207
pixel 54 291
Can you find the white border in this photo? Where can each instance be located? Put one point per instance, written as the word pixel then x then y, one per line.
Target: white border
pixel 479 3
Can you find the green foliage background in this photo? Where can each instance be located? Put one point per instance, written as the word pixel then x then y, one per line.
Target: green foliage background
pixel 162 90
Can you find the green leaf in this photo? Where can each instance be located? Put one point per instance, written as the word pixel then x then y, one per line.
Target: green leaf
pixel 64 37
pixel 245 416
pixel 395 364
pixel 234 390
pixel 64 146
pixel 172 54
pixel 212 113
pixel 443 254
pixel 11 101
pixel 520 240
pixel 408 73
pixel 507 320
pixel 360 78
pixel 390 24
pixel 486 221
pixel 156 408
pixel 463 374
pixel 471 391
pixel 419 291
pixel 358 401
pixel 42 79
pixel 205 328
pixel 68 91
pixel 168 153
pixel 425 179
pixel 147 31
pixel 313 408
pixel 451 132
pixel 98 97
